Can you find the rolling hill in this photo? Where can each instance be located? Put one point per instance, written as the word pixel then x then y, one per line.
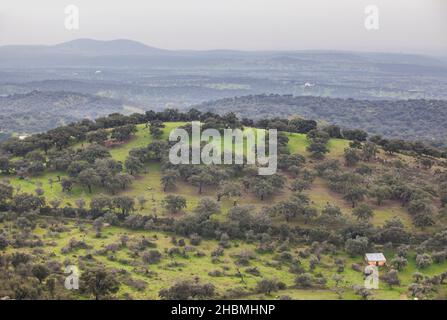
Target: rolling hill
pixel 165 235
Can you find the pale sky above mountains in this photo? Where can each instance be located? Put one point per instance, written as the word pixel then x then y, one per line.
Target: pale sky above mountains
pixel 418 26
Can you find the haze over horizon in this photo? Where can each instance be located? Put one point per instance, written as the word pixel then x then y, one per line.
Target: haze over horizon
pixel 250 25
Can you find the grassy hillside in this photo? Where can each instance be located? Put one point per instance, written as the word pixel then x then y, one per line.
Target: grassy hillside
pixel 189 265
pixel 148 184
pixel 243 261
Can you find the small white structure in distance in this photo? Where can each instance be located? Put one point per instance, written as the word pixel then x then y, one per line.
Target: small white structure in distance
pixel 308 85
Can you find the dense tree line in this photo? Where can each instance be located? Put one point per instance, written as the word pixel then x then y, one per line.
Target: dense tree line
pixel 416 119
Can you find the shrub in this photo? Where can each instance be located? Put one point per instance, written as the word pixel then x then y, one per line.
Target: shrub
pixel 3 242
pixel 219 251
pixel 391 278
pixel 357 267
pixel 423 261
pixel 152 256
pixel 399 263
pixel 254 271
pixel 174 251
pixel 356 246
pixel 304 280
pixel 266 286
pixel 215 273
pixel 244 257
pixel 186 290
pixel 402 250
pixel 195 239
pixel 439 257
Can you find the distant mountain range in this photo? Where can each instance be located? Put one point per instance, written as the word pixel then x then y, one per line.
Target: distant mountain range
pixel 118 52
pixel 118 47
pixel 87 47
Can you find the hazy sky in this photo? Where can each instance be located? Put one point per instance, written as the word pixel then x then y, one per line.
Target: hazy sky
pixel 405 25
